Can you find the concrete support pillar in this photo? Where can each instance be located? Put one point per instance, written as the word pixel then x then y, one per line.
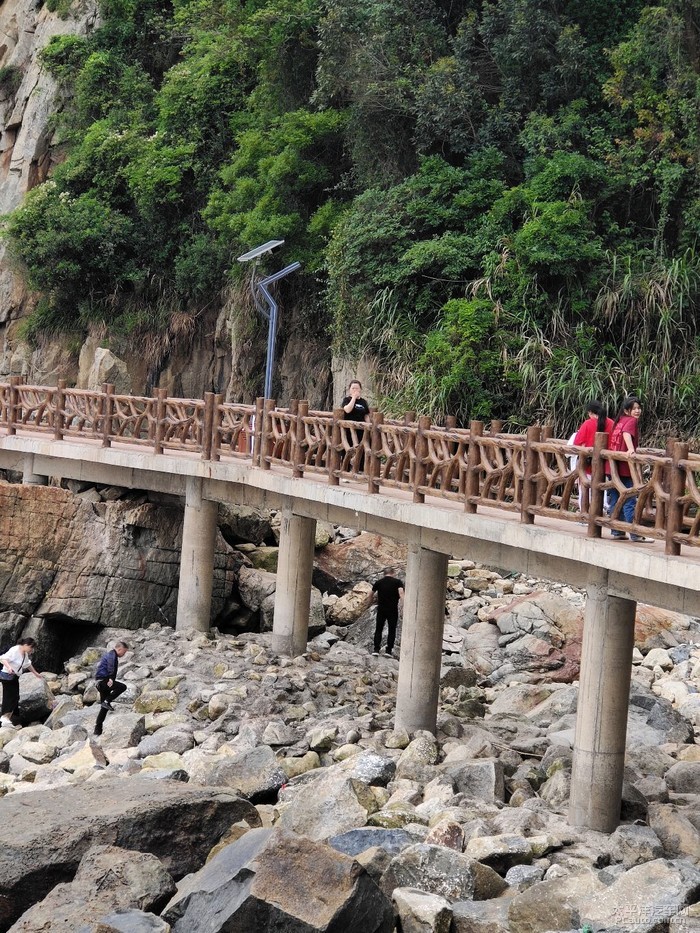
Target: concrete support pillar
pixel 421 640
pixel 29 477
pixel 603 702
pixel 196 560
pixel 295 564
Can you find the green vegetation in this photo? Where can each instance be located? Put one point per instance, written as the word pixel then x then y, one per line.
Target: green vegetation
pixel 500 200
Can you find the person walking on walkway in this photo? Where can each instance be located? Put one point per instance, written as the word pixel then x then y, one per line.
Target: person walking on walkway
pixel 625 437
pixel 596 421
pixel 387 593
pixel 15 662
pixel 107 683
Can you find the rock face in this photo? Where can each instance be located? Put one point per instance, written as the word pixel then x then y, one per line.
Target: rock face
pixel 174 822
pixel 103 563
pixel 28 152
pixel 270 881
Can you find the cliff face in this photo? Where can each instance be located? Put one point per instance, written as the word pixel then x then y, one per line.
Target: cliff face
pixel 28 146
pixel 83 560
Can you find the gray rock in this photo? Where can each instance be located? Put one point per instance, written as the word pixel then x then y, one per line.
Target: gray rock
pixel 644 896
pixel 35 699
pixel 176 739
pixel 633 845
pixel 481 778
pixel 122 730
pixel 328 806
pixel 108 877
pixel 130 920
pixel 553 904
pixel 176 822
pixel 438 870
pixel 524 876
pixel 422 913
pixel 254 773
pixel 676 828
pixel 355 841
pixel 684 777
pixel 481 917
pixel 261 883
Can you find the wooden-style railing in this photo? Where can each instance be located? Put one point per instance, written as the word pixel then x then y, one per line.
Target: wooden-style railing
pixel 531 474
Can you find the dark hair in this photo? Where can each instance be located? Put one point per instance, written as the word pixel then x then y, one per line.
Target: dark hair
pixel 352 383
pixel 122 644
pixel 27 641
pixel 627 403
pixel 598 409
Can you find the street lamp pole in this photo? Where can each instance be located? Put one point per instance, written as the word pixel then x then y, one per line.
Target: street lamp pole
pixel 269 309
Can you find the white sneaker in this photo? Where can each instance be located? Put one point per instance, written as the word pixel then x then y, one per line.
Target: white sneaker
pixel 375 654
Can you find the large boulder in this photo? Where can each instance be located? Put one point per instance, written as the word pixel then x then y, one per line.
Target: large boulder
pixel 108 878
pixel 253 773
pixel 176 822
pixel 442 871
pixel 339 567
pixel 644 897
pixel 270 881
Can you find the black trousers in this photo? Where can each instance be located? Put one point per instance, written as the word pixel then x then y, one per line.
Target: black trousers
pixel 391 617
pixel 10 696
pixel 107 693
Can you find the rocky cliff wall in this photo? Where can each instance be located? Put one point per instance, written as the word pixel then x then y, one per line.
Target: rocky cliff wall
pixel 88 560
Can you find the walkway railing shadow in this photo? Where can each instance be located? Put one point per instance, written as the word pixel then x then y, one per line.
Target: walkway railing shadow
pixel 533 475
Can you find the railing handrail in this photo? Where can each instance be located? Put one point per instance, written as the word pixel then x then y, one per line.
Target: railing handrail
pixel 530 473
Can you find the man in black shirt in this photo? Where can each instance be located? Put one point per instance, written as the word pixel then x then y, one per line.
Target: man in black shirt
pixel 387 593
pixel 355 407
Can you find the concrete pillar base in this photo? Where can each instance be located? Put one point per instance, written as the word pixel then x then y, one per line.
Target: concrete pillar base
pixel 295 564
pixel 603 702
pixel 196 560
pixel 421 640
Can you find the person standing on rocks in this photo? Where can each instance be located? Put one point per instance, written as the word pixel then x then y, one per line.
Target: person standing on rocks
pixel 107 684
pixel 14 663
pixel 387 593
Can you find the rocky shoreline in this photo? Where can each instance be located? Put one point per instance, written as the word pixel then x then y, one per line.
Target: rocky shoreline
pixel 263 793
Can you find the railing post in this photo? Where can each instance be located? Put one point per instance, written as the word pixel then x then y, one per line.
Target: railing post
pixel 409 417
pixel 106 412
pixel 298 451
pixel 529 493
pixel 266 444
pixel 334 453
pixel 674 514
pixel 15 382
pixel 161 395
pixel 596 499
pixel 215 425
pixel 258 429
pixel 496 426
pixel 421 455
pixel 59 403
pixel 208 426
pixel 375 464
pixel 287 452
pixel 546 432
pixel 476 430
